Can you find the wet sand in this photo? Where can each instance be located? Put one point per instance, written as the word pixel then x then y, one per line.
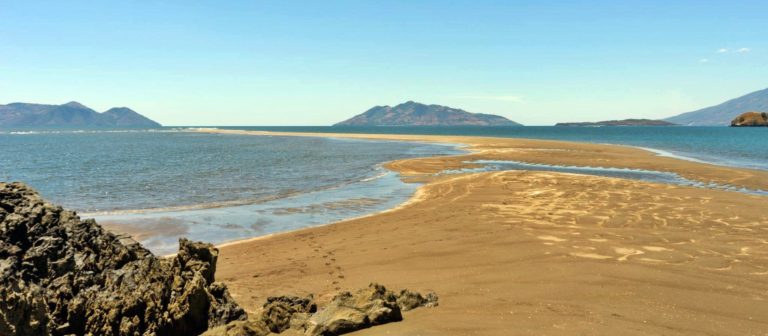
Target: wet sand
pixel 524 252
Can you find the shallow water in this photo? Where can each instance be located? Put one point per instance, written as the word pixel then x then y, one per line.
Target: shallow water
pixel 730 146
pixel 166 183
pixel 160 230
pixel 103 171
pixel 626 173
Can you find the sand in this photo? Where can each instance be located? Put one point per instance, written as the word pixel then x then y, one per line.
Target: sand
pixel 537 253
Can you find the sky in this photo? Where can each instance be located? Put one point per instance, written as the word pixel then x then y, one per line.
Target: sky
pixel 283 62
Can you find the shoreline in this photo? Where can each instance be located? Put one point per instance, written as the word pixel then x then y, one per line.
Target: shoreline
pixel 537 252
pixel 467 147
pixel 479 146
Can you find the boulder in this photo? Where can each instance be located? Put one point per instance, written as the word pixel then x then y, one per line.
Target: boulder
pixel 751 119
pixel 282 312
pixel 408 300
pixel 348 312
pixel 60 275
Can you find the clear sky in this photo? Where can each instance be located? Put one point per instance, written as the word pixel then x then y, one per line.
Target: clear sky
pixel 318 62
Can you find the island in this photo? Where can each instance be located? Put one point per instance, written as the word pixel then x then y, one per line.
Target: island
pixel 416 114
pixel 625 122
pixel 751 119
pixel 72 114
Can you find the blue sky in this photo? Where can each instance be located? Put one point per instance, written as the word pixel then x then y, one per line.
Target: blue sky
pixel 318 62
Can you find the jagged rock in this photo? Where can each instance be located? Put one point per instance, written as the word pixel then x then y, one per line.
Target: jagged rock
pixel 280 313
pixel 240 328
pixel 408 300
pixel 60 275
pixel 348 312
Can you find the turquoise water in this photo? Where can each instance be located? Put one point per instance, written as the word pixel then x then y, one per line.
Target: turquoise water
pixel 167 183
pixel 741 147
pixel 106 171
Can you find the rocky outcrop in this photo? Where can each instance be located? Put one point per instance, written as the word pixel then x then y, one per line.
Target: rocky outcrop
pixel 347 312
pixel 60 275
pixel 751 119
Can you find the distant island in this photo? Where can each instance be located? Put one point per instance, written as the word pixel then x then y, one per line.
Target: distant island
pixel 417 114
pixel 723 114
pixel 751 119
pixel 625 122
pixel 72 114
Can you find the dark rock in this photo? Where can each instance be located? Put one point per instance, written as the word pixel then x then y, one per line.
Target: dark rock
pixel 60 275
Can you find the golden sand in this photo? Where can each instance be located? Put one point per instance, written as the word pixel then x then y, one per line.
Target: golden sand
pixel 537 253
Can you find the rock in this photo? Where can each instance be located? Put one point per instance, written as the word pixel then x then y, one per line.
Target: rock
pixel 239 328
pixel 279 312
pixel 408 300
pixel 60 275
pixel 750 119
pixel 348 312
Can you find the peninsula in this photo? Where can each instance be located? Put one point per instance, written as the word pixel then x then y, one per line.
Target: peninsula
pixel 625 122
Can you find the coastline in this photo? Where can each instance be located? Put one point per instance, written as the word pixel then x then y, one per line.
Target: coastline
pixel 532 252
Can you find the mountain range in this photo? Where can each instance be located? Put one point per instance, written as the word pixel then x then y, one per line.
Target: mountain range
pixel 71 114
pixel 722 114
pixel 416 114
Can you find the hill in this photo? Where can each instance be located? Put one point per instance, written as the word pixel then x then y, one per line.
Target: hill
pixel 69 114
pixel 625 122
pixel 722 114
pixel 417 114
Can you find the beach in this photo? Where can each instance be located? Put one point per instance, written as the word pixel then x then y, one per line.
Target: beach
pixel 535 252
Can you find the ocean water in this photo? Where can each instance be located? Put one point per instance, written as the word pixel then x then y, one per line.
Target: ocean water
pixel 741 147
pixel 162 184
pixel 166 183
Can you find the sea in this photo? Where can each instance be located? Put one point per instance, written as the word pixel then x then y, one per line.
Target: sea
pixel 161 184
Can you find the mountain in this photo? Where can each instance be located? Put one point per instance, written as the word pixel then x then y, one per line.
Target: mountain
pixel 751 119
pixel 69 114
pixel 721 115
pixel 625 122
pixel 417 114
